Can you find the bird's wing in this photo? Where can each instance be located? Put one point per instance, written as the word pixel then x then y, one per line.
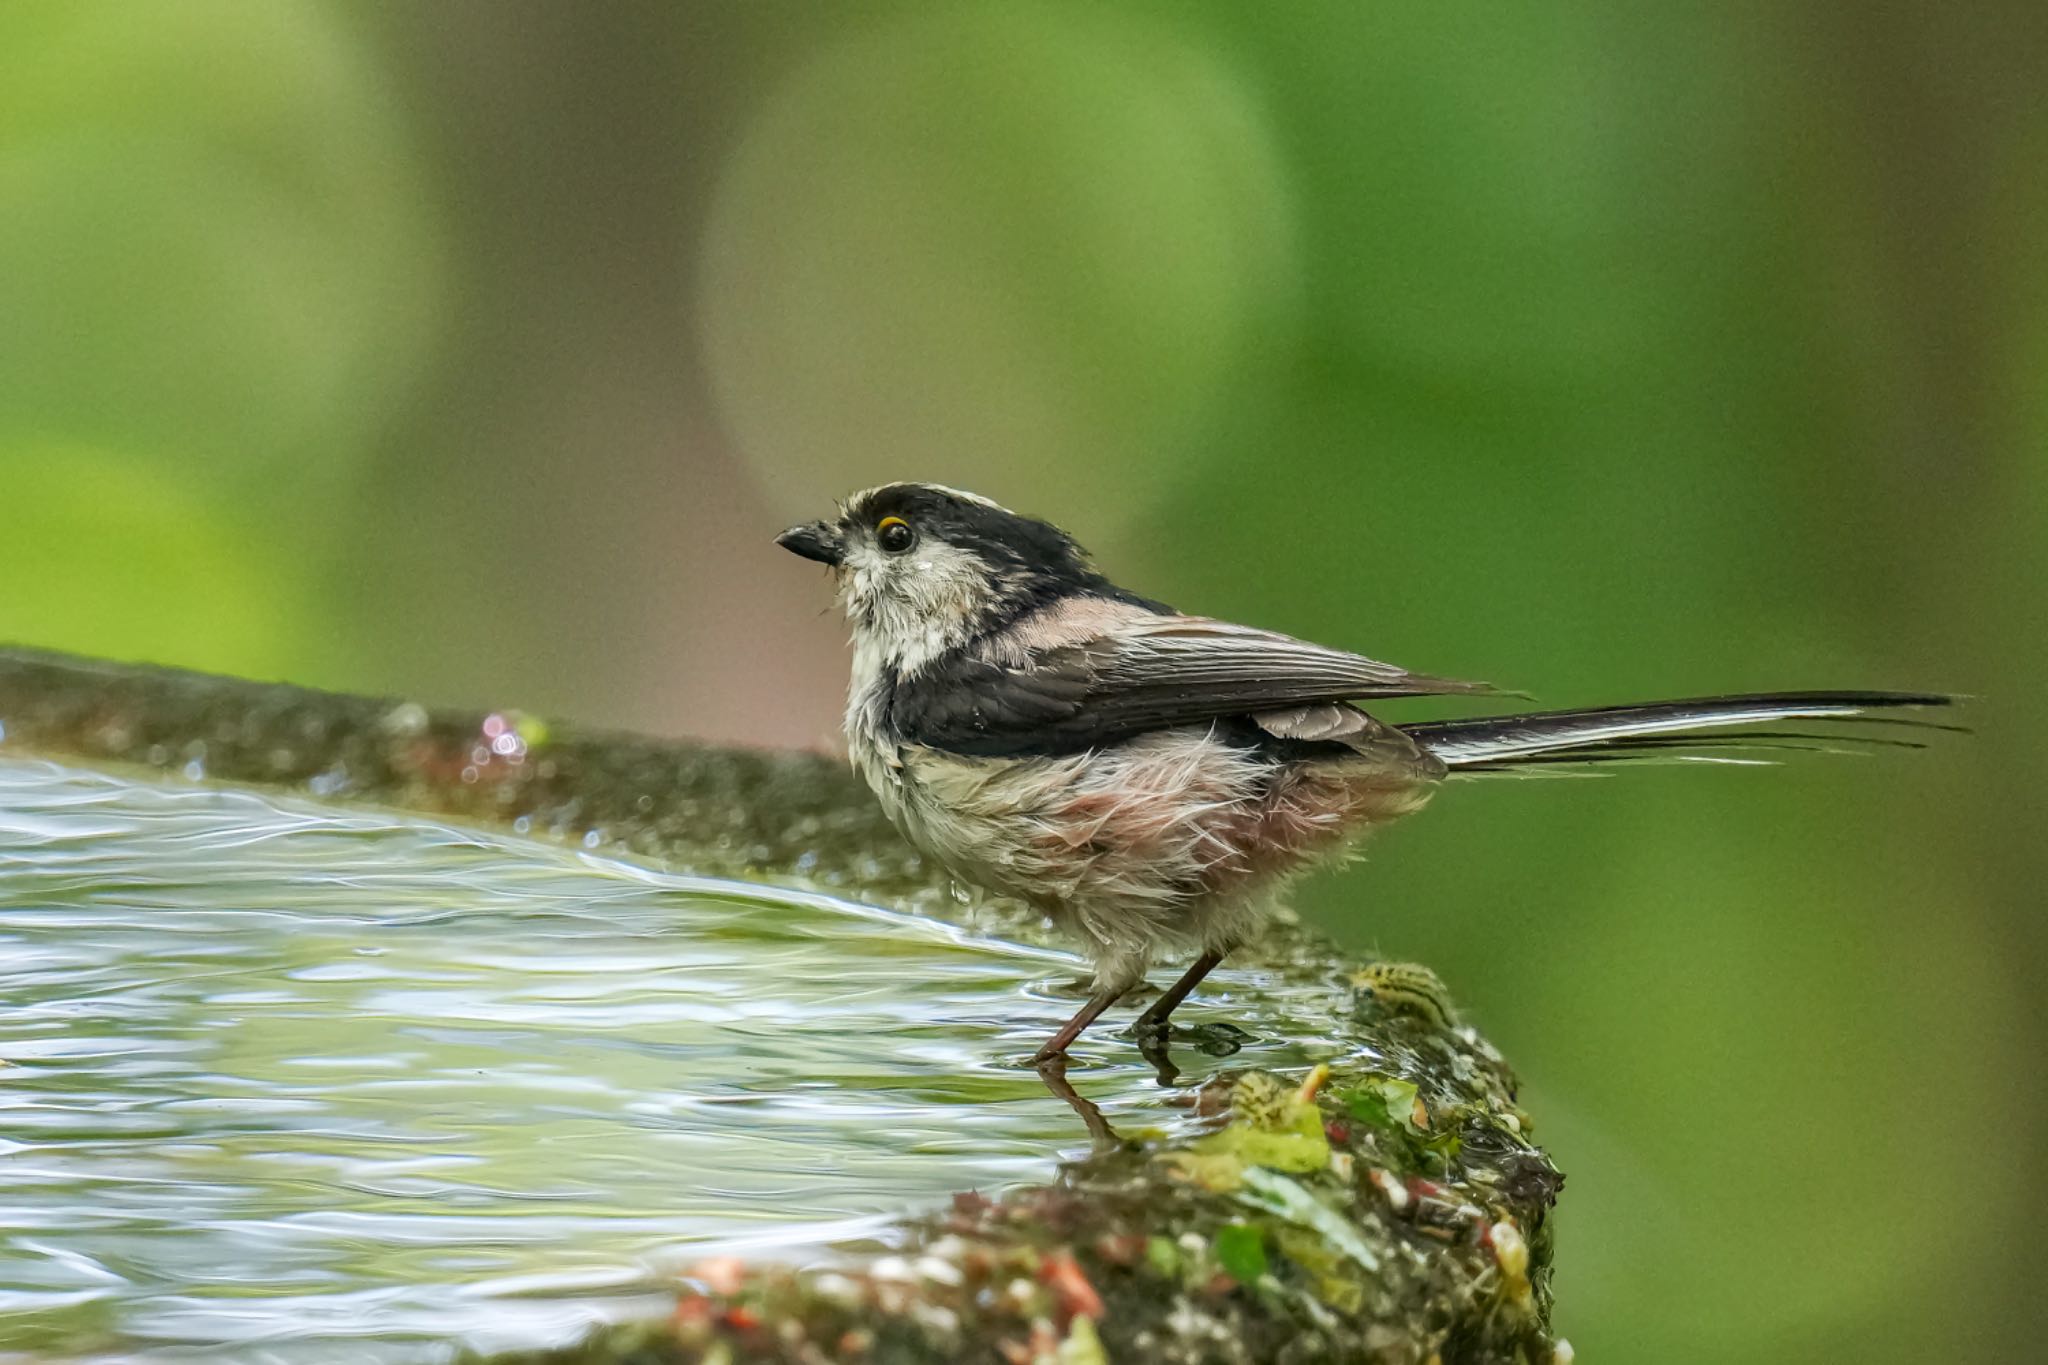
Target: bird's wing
pixel 1060 692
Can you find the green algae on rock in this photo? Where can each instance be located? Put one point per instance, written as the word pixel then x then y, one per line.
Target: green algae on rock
pixel 1134 1255
pixel 1388 1207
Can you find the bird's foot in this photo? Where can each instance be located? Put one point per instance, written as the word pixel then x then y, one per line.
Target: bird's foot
pixel 1219 1039
pixel 1211 1040
pixel 1214 1040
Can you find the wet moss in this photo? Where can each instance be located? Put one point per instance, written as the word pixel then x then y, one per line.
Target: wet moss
pixel 1130 1256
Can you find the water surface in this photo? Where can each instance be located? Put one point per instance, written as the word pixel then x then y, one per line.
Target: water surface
pixel 280 1076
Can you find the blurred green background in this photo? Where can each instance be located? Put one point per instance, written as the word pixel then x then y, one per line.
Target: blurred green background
pixel 474 351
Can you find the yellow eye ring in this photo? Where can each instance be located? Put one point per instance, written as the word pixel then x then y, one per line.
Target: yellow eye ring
pixel 894 535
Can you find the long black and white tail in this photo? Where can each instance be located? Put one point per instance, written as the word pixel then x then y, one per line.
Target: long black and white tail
pixel 1742 729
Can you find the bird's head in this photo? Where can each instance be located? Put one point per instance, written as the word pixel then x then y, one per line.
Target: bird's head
pixel 921 568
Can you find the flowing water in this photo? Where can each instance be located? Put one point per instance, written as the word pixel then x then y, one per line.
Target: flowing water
pixel 282 1081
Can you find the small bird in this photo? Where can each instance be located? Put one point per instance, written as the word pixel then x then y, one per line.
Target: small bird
pixel 1153 781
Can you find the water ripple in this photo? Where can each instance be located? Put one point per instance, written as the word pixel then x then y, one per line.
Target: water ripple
pixel 280 1076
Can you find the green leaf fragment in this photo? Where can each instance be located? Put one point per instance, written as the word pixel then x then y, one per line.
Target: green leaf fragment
pixel 1163 1256
pixel 1082 1346
pixel 1383 1102
pixel 1218 1171
pixel 1241 1251
pixel 1275 1193
pixel 1273 1128
pixel 1296 1151
pixel 1366 1106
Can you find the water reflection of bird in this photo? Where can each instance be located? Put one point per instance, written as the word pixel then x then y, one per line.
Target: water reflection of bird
pixel 1152 780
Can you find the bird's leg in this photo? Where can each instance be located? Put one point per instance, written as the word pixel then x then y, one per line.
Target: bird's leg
pixel 1153 1020
pixel 1056 1046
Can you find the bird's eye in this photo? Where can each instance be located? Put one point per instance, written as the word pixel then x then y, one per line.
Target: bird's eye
pixel 894 535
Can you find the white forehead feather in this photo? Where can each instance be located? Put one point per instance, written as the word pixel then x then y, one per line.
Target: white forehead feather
pixel 866 495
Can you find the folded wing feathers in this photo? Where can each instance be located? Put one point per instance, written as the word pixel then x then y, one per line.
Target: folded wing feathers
pixel 1196 652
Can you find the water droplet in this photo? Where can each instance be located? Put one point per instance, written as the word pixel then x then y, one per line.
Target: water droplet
pixel 406 719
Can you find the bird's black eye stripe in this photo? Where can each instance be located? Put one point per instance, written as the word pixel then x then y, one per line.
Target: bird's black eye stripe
pixel 894 535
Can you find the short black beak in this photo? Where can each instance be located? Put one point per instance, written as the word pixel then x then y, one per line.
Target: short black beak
pixel 813 540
